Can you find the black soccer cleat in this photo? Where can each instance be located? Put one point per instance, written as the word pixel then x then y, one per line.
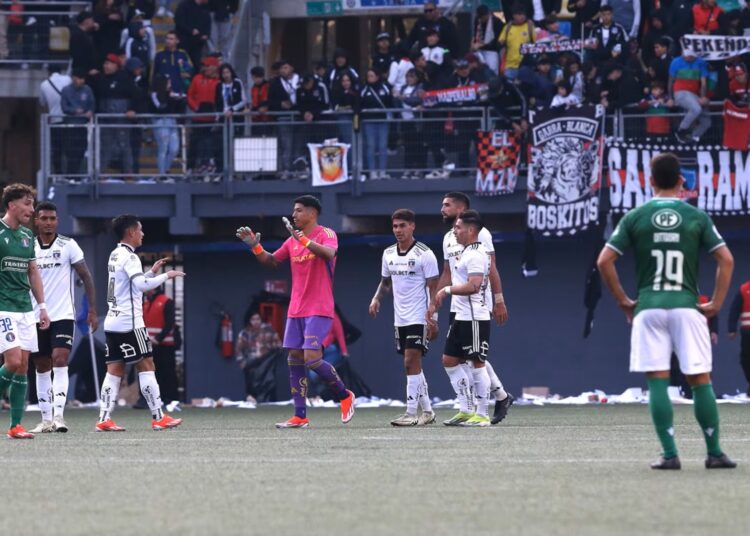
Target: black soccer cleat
pixel 501 408
pixel 720 462
pixel 667 464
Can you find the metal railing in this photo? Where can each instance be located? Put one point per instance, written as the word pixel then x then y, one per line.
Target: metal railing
pixel 40 34
pixel 633 124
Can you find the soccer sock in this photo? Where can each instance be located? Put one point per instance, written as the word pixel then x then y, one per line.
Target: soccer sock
pixel 471 396
pixel 329 375
pixel 424 393
pixel 497 391
pixel 460 386
pixel 60 389
pixel 707 415
pixel 662 414
pixel 5 378
pixel 108 397
pixel 298 383
pixel 482 390
pixel 44 394
pixel 17 397
pixel 151 392
pixel 413 382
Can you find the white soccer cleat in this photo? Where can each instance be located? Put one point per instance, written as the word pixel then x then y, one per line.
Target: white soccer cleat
pixel 44 427
pixel 405 420
pixel 58 424
pixel 427 417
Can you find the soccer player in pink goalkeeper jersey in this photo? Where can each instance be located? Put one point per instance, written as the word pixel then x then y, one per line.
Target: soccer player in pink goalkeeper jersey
pixel 311 252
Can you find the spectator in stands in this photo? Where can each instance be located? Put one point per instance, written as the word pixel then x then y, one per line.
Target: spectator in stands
pixel 627 13
pixel 564 98
pixel 50 95
pixel 259 97
pixel 221 29
pixel 657 31
pixel 375 97
pixel 687 88
pixel 282 97
pixel 432 19
pixel 509 105
pixel 573 75
pixel 138 46
pixel 464 128
pixel 193 25
pixel 657 104
pixel 345 102
pixel 115 93
pixel 592 86
pixel 398 69
pixel 165 102
pixel 551 30
pixel 487 30
pixel 706 17
pixel 231 100
pixel 311 102
pixel 538 83
pixel 341 66
pixel 150 36
pixel 680 17
pixel 201 99
pixel 520 31
pixel 136 69
pixel 439 61
pixel 107 36
pixel 415 150
pixel 254 343
pixel 739 85
pixel 78 104
pixel 658 68
pixel 82 50
pixel 174 63
pixel 384 55
pixel 608 39
pixel 586 16
pixel 619 87
pixel 321 78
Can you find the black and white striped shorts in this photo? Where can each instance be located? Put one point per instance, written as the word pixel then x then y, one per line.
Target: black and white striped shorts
pixel 130 346
pixel 468 339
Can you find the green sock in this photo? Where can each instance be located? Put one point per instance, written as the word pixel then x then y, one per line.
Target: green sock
pixel 5 378
pixel 17 397
pixel 707 415
pixel 662 414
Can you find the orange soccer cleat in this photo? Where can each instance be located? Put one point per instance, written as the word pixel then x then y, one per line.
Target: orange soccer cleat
pixel 347 407
pixel 165 423
pixel 19 432
pixel 108 426
pixel 294 422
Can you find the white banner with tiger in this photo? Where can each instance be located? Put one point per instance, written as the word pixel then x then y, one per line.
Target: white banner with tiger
pixel 328 163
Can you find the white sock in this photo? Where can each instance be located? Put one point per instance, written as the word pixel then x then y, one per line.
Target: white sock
pixel 472 398
pixel 412 393
pixel 44 394
pixel 460 384
pixel 151 392
pixel 496 386
pixel 108 397
pixel 424 393
pixel 60 389
pixel 482 390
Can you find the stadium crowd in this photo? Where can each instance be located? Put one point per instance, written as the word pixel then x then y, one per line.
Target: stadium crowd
pixel 630 56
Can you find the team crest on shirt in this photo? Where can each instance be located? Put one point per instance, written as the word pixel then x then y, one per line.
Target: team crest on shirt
pixel 10 337
pixel 25 242
pixel 412 263
pixel 56 254
pixel 666 219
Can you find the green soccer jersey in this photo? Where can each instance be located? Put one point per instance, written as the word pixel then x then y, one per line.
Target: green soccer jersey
pixel 16 252
pixel 667 236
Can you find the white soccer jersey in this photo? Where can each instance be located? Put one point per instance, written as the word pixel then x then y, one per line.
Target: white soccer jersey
pixel 124 299
pixel 55 263
pixel 452 252
pixel 474 260
pixel 409 272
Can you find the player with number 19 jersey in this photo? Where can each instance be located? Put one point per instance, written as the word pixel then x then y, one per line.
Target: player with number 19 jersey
pixel 668 236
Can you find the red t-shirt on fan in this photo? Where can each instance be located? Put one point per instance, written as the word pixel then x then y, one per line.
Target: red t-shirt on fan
pixel 736 127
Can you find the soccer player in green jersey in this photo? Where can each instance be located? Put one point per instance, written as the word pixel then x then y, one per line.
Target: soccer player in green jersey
pixel 18 275
pixel 667 236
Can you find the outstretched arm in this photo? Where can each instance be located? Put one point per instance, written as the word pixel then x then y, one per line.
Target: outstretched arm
pixel 252 240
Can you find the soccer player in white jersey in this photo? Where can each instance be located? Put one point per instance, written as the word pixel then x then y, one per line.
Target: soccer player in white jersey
pixel 469 334
pixel 453 204
pixel 57 257
pixel 410 269
pixel 127 339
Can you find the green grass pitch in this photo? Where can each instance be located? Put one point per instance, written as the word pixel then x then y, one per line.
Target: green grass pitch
pixel 551 470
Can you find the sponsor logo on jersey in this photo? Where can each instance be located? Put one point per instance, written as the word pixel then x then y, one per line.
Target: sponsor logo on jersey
pixel 14 264
pixel 666 219
pixel 671 238
pixel 25 242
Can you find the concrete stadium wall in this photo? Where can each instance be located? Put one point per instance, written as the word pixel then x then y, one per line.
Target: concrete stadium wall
pixel 542 345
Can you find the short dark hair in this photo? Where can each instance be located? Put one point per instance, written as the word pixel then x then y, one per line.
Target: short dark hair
pixel 472 217
pixel 16 191
pixel 83 15
pixel 459 196
pixel 309 201
pixel 173 32
pixel 606 8
pixel 258 71
pixel 122 223
pixel 666 42
pixel 46 205
pixel 665 170
pixel 483 11
pixel 404 214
